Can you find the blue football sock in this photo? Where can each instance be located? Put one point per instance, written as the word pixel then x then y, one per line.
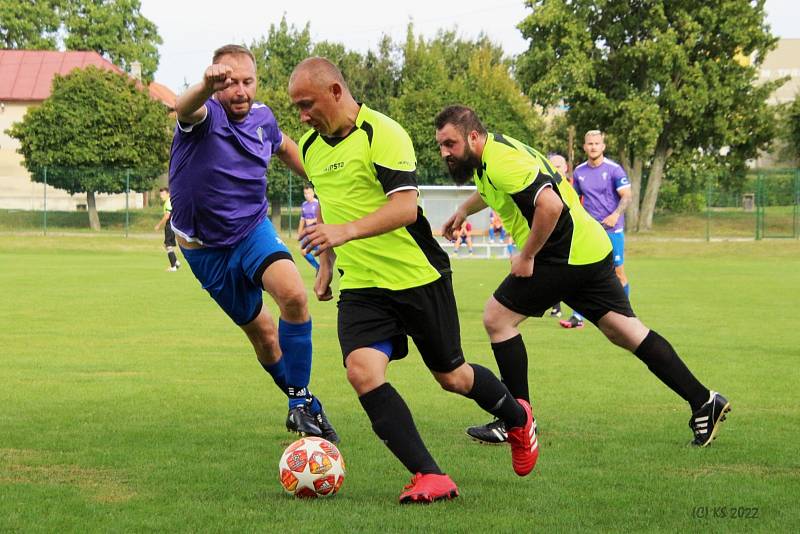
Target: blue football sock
pixel 577 315
pixel 295 342
pixel 627 289
pixel 278 372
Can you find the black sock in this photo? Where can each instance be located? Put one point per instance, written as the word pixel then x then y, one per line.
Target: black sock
pixel 392 422
pixel 512 360
pixel 494 397
pixel 173 259
pixel 664 362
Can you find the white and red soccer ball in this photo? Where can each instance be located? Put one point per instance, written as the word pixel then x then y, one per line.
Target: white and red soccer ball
pixel 311 467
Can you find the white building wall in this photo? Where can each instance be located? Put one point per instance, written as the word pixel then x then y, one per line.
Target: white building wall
pixel 18 192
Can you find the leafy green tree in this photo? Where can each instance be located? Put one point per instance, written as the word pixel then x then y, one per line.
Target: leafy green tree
pixel 276 56
pixel 113 28
pixel 791 128
pixel 657 75
pixel 30 25
pixel 96 129
pixel 447 70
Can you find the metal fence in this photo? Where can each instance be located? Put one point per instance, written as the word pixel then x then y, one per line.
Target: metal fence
pixel 767 206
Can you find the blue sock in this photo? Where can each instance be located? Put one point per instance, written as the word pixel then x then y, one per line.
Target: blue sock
pixel 295 342
pixel 278 373
pixel 312 260
pixel 627 289
pixel 577 315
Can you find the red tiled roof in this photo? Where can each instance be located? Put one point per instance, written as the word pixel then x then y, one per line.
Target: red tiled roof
pixel 162 93
pixel 27 75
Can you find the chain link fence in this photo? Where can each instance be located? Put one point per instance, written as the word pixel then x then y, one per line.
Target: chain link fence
pixel 766 206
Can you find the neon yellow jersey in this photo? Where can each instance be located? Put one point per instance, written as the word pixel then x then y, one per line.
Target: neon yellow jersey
pixel 352 177
pixel 509 181
pixel 167 206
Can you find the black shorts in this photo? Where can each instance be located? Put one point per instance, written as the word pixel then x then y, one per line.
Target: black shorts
pixel 592 290
pixel 427 313
pixel 169 236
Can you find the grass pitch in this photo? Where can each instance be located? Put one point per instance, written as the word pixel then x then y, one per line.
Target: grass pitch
pixel 129 402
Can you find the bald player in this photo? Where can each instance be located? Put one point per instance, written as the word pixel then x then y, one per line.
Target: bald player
pixel 395 278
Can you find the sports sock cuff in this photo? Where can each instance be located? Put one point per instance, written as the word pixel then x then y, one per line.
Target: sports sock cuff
pixel 507 342
pixel 294 329
pixel 647 343
pixel 377 396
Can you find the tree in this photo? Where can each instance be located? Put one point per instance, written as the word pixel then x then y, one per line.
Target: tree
pixel 448 70
pixel 276 56
pixel 791 128
pixel 113 28
pixel 657 75
pixel 96 129
pixel 31 25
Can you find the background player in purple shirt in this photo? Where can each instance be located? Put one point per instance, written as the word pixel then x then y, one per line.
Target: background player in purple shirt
pixel 223 143
pixel 308 218
pixel 606 193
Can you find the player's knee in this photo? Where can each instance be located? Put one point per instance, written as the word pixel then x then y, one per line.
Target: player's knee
pixel 452 382
pixel 361 379
pixel 492 323
pixel 294 304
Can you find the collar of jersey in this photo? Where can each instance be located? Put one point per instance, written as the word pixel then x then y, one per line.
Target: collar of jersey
pixel 333 141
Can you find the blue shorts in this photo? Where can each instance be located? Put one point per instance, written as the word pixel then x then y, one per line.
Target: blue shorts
pixel 232 275
pixel 617 247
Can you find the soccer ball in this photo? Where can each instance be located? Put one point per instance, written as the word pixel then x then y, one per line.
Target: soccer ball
pixel 311 467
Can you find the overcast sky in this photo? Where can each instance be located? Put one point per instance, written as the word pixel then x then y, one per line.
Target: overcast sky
pixel 192 29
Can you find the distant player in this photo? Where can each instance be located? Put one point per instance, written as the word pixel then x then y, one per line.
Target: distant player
pixel 606 193
pixel 564 255
pixel 463 236
pixel 169 235
pixel 395 279
pixel 308 218
pixel 560 164
pixel 221 150
pixel 496 228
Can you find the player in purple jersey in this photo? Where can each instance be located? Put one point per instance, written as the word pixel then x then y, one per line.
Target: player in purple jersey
pixel 606 193
pixel 308 218
pixel 223 143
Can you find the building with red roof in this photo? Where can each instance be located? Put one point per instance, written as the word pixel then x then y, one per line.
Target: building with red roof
pixel 26 78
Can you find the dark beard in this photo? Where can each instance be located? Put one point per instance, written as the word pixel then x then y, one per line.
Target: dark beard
pixel 461 170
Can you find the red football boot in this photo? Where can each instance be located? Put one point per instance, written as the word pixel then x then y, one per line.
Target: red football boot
pixel 428 487
pixel 524 445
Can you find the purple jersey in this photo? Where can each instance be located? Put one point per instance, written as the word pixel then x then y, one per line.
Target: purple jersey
pixel 599 186
pixel 308 210
pixel 218 174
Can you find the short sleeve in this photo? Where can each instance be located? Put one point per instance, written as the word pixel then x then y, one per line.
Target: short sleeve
pixel 273 133
pixel 393 157
pixel 620 178
pixel 213 109
pixel 576 183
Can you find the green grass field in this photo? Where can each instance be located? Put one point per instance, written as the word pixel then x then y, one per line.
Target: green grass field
pixel 129 402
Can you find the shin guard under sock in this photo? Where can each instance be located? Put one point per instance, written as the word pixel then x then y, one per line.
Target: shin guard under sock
pixel 664 362
pixel 491 395
pixel 392 422
pixel 512 361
